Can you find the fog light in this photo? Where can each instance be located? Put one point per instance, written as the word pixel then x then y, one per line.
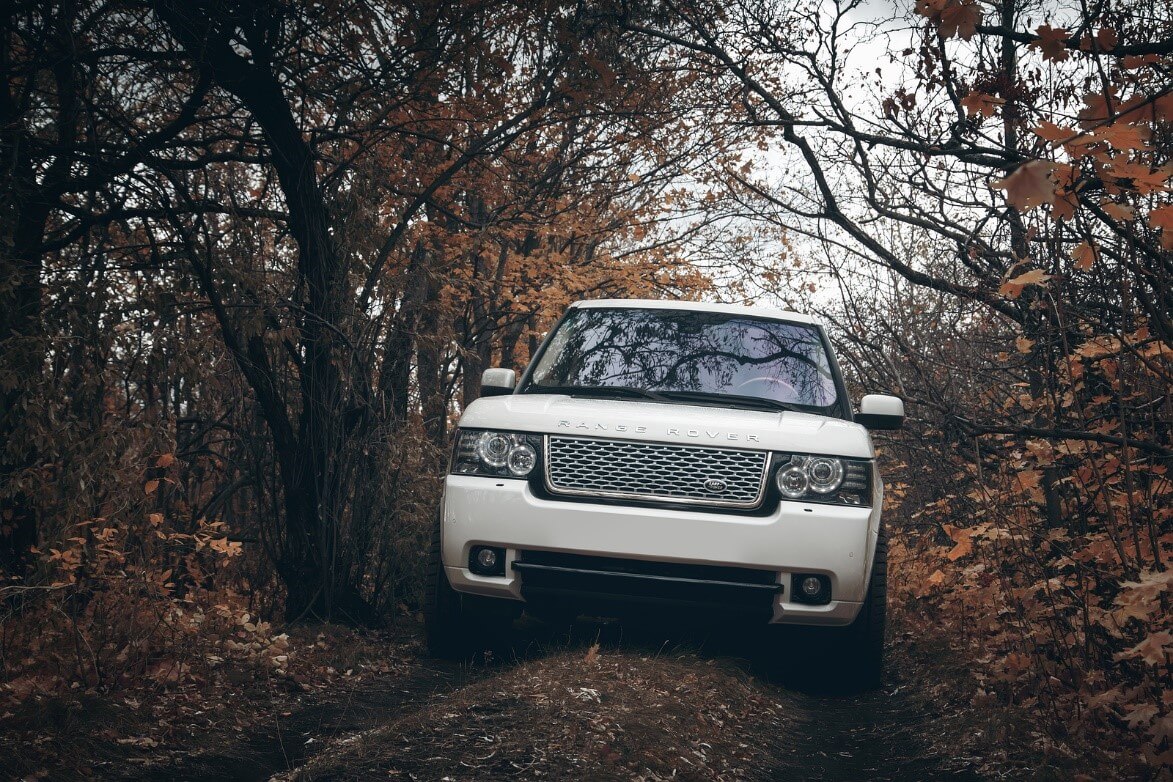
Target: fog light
pixel 811 589
pixel 487 561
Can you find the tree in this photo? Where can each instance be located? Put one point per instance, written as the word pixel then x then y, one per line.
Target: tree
pixel 1004 182
pixel 67 134
pixel 332 170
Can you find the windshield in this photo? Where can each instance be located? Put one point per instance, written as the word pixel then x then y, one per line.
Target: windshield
pixel 695 354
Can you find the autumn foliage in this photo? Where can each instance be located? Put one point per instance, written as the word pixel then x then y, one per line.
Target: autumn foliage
pixel 1045 550
pixel 254 258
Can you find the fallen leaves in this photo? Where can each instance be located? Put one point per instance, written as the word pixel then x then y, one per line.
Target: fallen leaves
pixel 1153 650
pixel 963 542
pixel 139 741
pixel 225 546
pixel 661 716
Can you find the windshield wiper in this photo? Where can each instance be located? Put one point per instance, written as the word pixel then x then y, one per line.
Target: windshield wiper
pixel 732 400
pixel 627 392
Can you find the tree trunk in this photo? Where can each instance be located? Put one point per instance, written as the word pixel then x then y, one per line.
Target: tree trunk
pixel 317 583
pixel 28 202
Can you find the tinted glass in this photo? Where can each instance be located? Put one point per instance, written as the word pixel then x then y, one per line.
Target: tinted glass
pixel 668 350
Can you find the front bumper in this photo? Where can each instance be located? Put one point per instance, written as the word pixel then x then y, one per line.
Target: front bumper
pixel 831 540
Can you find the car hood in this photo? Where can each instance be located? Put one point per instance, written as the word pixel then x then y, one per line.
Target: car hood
pixel 670 423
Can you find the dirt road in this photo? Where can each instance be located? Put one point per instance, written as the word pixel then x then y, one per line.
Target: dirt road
pixel 631 708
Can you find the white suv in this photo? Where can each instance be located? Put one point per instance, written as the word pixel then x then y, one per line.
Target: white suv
pixel 668 455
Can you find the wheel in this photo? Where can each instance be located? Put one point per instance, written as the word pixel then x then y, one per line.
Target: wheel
pixel 837 659
pixel 457 626
pixel 445 629
pixel 863 647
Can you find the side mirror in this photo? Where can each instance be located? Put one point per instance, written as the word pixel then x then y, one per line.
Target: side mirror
pixel 880 411
pixel 497 381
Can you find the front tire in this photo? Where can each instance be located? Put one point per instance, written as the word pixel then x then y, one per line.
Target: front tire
pixel 838 659
pixel 457 626
pixel 863 646
pixel 445 630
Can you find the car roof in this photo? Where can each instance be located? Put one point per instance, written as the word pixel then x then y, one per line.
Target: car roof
pixel 695 306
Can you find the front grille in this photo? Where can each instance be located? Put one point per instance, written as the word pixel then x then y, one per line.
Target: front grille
pixel 655 472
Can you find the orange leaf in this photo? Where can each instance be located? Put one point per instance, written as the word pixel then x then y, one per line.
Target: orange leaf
pixel 960 19
pixel 166 460
pixel 1096 108
pixel 963 540
pixel 1066 192
pixel 1052 42
pixel 1085 256
pixel 1135 176
pixel 929 8
pixel 936 578
pixel 960 550
pixel 1049 131
pixel 981 103
pixel 1013 287
pixel 1153 649
pixel 1132 61
pixel 1162 217
pixel 1028 479
pixel 1163 106
pixel 1099 346
pixel 1023 344
pixel 1124 136
pixel 1065 205
pixel 1094 111
pixel 226 546
pixel 1120 212
pixel 1140 716
pixel 150 487
pixel 1029 185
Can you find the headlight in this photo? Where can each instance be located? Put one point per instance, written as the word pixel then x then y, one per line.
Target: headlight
pixel 495 454
pixel 824 479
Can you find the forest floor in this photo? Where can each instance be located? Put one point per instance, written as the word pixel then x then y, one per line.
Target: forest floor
pixel 601 701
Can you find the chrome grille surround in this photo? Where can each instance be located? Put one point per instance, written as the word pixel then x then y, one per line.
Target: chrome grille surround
pixel 654 472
